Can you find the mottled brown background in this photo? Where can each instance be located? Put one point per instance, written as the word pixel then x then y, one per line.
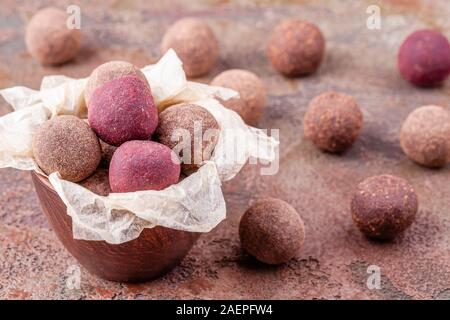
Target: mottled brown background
pixel 335 258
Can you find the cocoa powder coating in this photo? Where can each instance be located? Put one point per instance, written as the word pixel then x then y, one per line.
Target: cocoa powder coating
pixel 67 145
pixel 272 231
pixel 252 93
pixel 384 206
pixel 49 40
pixel 333 121
pixel 296 47
pixel 424 58
pixel 107 153
pixel 195 44
pixel 143 165
pixel 425 136
pixel 188 127
pixel 110 71
pixel 122 110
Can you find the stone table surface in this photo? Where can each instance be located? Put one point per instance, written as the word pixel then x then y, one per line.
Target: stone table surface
pixel 335 259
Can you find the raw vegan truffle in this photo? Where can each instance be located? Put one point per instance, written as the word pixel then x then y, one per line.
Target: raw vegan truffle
pixel 333 121
pixel 194 121
pixel 425 136
pixel 98 183
pixel 252 93
pixel 272 231
pixel 424 58
pixel 123 110
pixel 110 71
pixel 384 206
pixel 195 44
pixel 296 48
pixel 48 38
pixel 66 144
pixel 143 165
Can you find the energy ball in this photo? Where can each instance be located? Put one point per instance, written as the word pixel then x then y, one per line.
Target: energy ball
pixel 424 58
pixel 272 231
pixel 110 71
pixel 48 38
pixel 195 44
pixel 425 136
pixel 67 145
pixel 190 128
pixel 384 206
pixel 252 93
pixel 98 183
pixel 333 121
pixel 296 48
pixel 143 165
pixel 122 110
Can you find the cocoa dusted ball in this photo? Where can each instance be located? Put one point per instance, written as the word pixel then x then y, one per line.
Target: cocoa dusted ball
pixel 272 231
pixel 296 48
pixel 67 145
pixel 143 165
pixel 98 183
pixel 425 136
pixel 195 44
pixel 110 71
pixel 122 110
pixel 424 58
pixel 333 121
pixel 107 154
pixel 48 38
pixel 252 93
pixel 384 206
pixel 188 127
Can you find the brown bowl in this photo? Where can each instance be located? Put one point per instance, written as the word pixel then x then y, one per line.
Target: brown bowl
pixel 153 253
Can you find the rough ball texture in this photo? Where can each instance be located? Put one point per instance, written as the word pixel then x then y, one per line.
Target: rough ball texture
pixel 67 145
pixel 110 71
pixel 49 40
pixel 424 58
pixel 252 93
pixel 384 206
pixel 333 121
pixel 194 121
pixel 195 44
pixel 123 110
pixel 272 231
pixel 143 165
pixel 425 136
pixel 296 48
pixel 98 183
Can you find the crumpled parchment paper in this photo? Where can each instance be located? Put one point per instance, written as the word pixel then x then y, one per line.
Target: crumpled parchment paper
pixel 194 204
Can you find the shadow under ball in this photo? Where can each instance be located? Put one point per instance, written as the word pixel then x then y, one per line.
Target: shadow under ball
pixel 155 252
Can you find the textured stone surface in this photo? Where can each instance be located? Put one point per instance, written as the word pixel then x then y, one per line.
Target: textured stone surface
pixel 333 263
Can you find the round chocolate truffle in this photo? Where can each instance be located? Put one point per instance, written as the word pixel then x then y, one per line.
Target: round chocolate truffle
pixel 110 71
pixel 384 206
pixel 252 93
pixel 191 131
pixel 272 231
pixel 424 58
pixel 333 121
pixel 123 110
pixel 296 48
pixel 425 136
pixel 98 183
pixel 143 165
pixel 195 44
pixel 67 145
pixel 49 39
